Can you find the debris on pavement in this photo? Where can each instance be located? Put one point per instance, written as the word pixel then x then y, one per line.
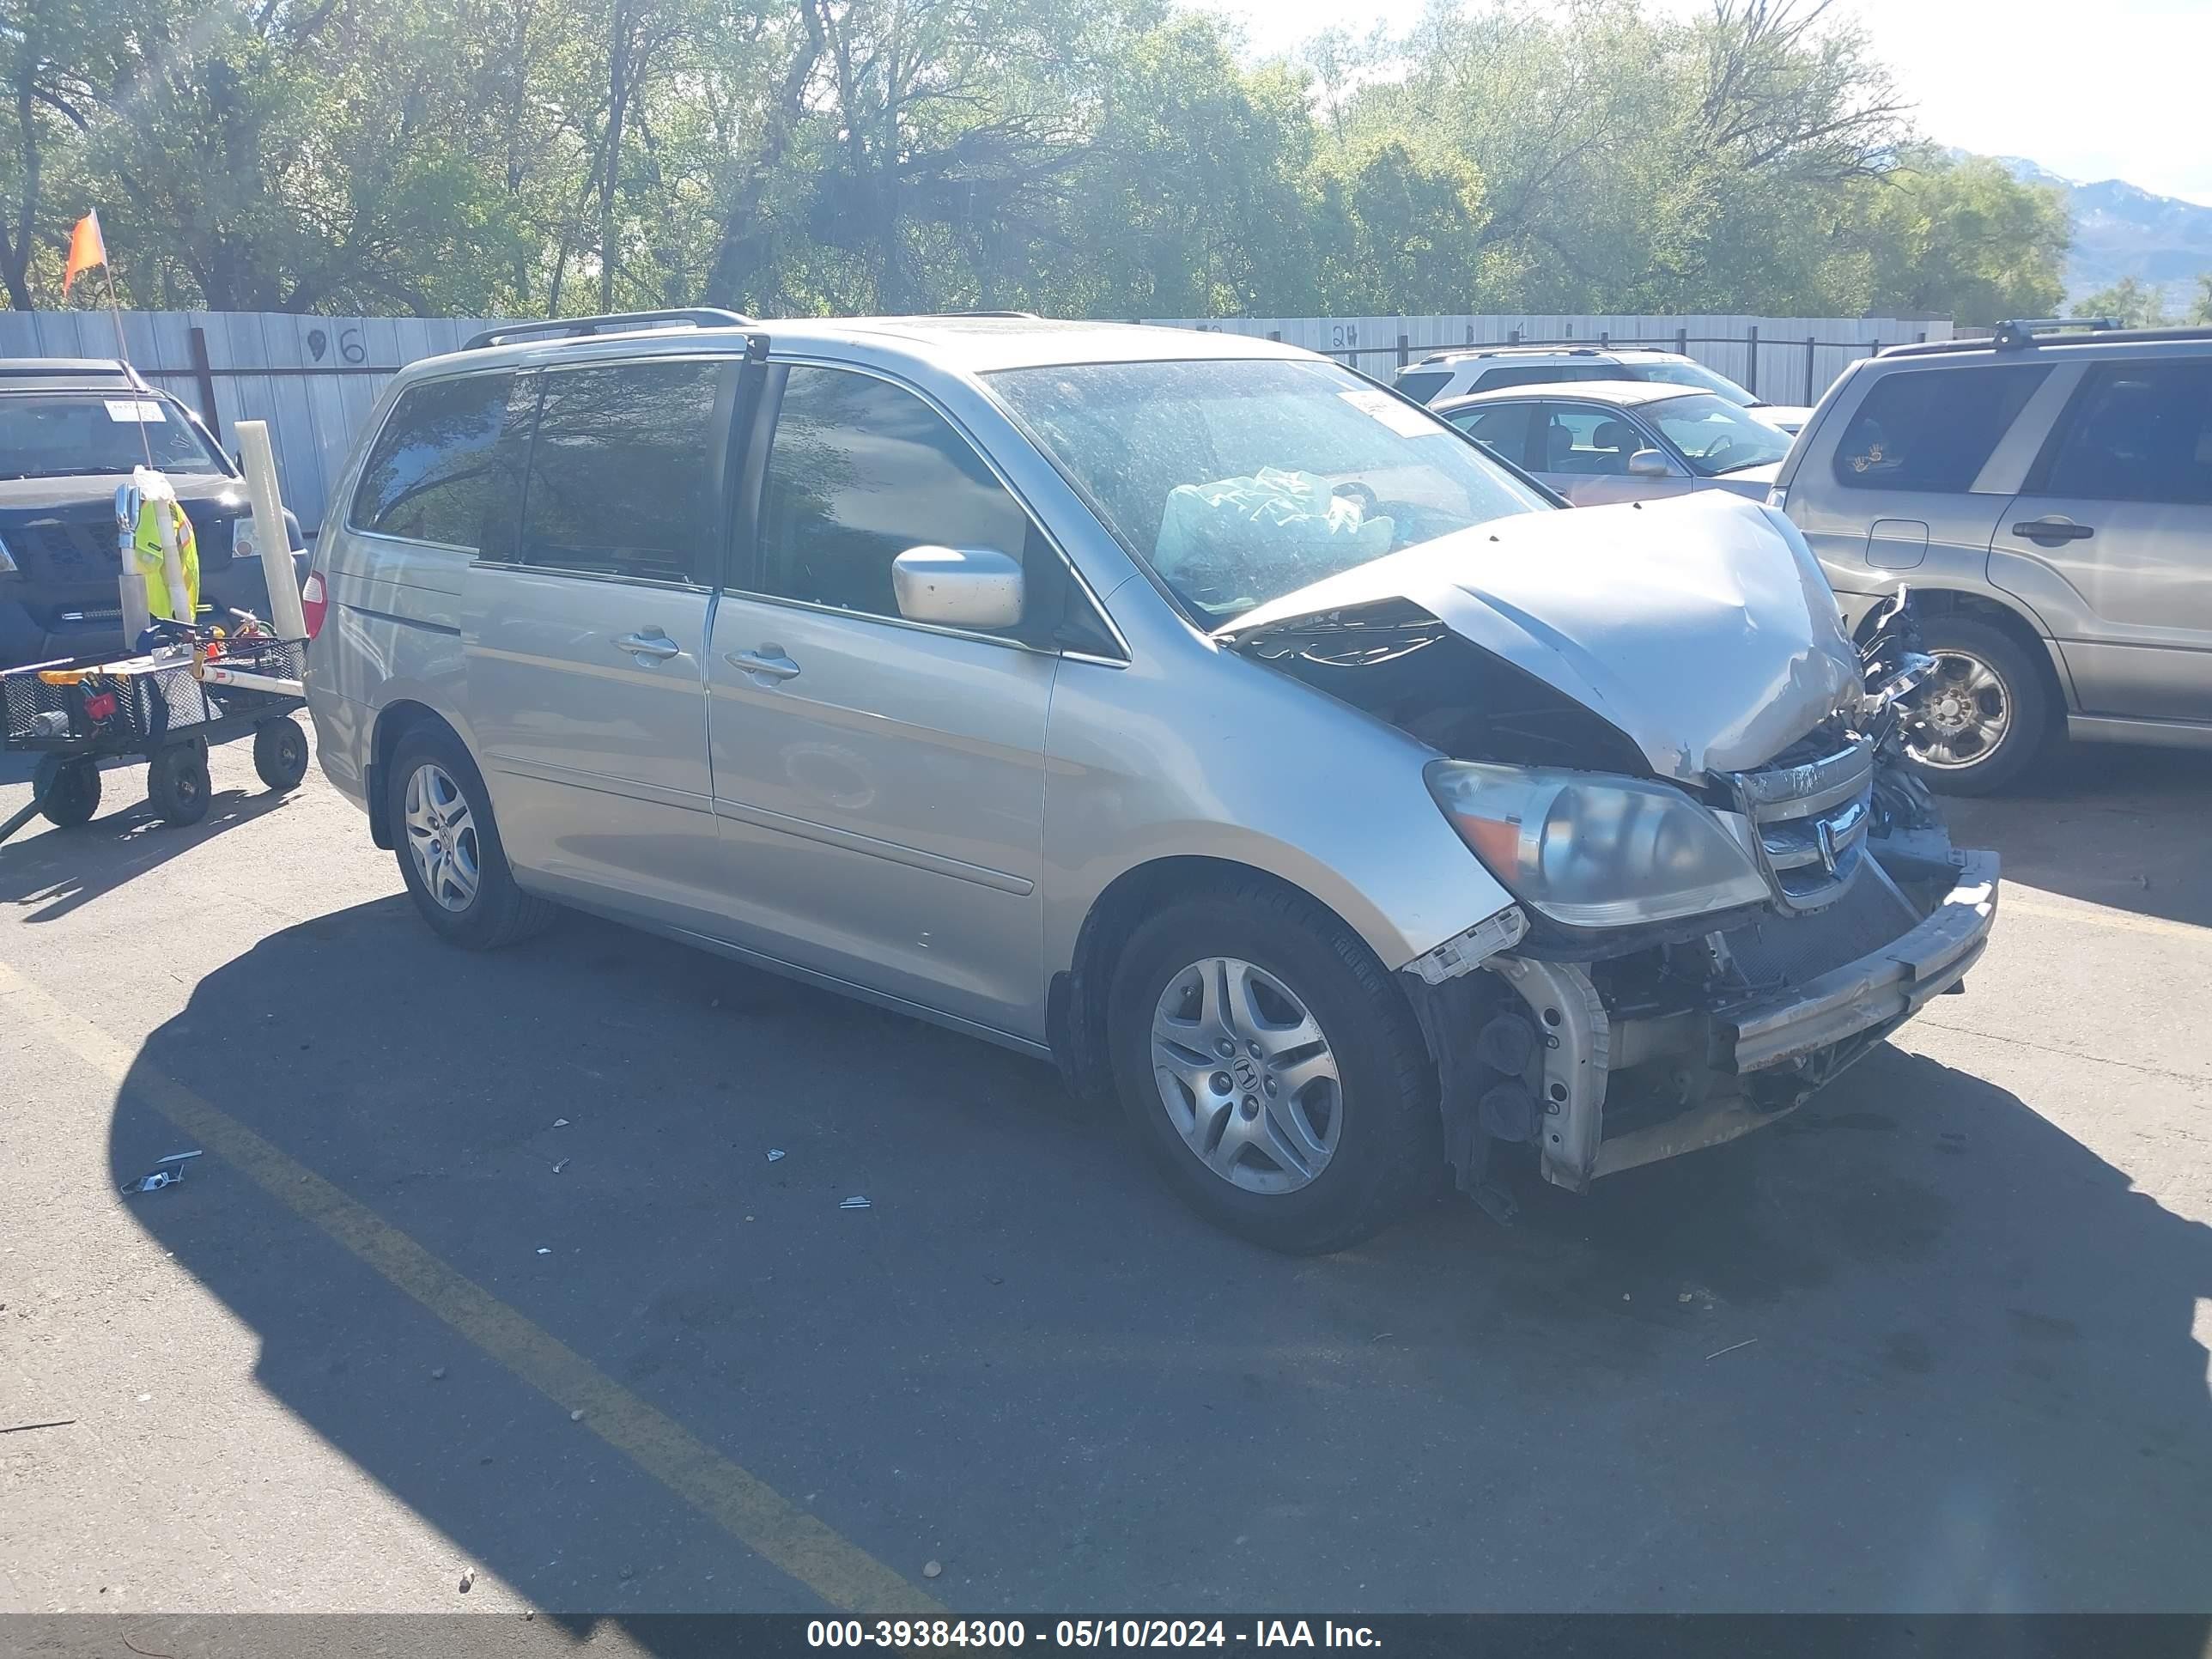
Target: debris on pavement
pixel 1684 1296
pixel 561 1165
pixel 931 1568
pixel 25 1428
pixel 1732 1347
pixel 543 1250
pixel 576 1416
pixel 167 1172
pixel 468 1579
pixel 855 1202
pixel 437 1373
pixel 560 1122
pixel 774 1154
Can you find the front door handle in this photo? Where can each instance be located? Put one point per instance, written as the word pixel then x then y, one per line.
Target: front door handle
pixel 768 663
pixel 655 645
pixel 2051 532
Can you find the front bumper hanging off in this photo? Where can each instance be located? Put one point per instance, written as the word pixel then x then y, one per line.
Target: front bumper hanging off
pixel 1754 1059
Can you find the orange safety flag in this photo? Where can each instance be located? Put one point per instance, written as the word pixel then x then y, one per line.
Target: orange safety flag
pixel 86 250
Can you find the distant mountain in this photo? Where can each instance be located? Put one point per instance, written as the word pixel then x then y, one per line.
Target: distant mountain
pixel 2120 230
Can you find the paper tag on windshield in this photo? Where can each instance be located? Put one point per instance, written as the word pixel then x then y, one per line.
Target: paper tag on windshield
pixel 135 410
pixel 1406 422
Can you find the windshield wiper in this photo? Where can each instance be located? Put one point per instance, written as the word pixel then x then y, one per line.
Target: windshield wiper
pixel 63 472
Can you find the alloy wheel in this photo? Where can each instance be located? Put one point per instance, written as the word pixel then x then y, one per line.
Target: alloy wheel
pixel 1962 713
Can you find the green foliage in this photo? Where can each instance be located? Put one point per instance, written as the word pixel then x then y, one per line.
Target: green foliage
pixel 2132 302
pixel 1100 157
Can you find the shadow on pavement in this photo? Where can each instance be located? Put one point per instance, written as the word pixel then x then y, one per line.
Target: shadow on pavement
pixel 2115 825
pixel 48 872
pixel 1916 1350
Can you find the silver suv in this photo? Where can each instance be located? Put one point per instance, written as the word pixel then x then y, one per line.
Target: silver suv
pixel 2048 497
pixel 1180 708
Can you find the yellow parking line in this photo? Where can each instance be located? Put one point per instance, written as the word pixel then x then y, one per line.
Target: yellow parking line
pixel 751 1511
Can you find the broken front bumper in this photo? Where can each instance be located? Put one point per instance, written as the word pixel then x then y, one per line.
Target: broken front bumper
pixel 1751 1060
pixel 1883 989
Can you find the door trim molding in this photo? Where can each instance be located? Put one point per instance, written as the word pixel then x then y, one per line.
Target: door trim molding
pixel 890 851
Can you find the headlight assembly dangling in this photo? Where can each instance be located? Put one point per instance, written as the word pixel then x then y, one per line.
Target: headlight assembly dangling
pixel 1591 850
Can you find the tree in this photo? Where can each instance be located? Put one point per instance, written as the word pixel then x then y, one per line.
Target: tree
pixel 2134 303
pixel 1960 239
pixel 2200 309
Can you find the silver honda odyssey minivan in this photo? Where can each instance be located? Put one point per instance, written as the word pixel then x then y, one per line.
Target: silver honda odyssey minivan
pixel 1182 708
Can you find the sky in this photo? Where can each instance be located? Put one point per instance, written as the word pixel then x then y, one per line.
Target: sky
pixel 2112 91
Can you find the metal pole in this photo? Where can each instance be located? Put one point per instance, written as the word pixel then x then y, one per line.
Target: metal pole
pixel 271 539
pixel 1809 344
pixel 1751 373
pixel 203 372
pixel 1405 351
pixel 1681 342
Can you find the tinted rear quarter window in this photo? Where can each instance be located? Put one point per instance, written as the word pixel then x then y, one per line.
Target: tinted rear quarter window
pixel 1503 429
pixel 434 472
pixel 625 476
pixel 1932 429
pixel 1492 379
pixel 1422 384
pixel 2137 432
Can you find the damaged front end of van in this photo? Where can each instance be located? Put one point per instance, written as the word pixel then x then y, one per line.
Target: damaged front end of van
pixel 1729 884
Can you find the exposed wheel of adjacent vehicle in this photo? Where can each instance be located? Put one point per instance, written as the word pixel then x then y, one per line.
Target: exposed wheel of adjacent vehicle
pixel 68 790
pixel 448 847
pixel 280 753
pixel 178 787
pixel 1272 1069
pixel 1984 716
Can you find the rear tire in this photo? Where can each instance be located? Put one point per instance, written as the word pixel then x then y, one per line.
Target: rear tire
pixel 280 753
pixel 1365 1137
pixel 1986 714
pixel 178 787
pixel 68 790
pixel 449 850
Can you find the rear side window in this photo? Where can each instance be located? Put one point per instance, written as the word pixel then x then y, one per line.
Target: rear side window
pixel 859 472
pixel 435 473
pixel 2138 432
pixel 1541 374
pixel 1933 429
pixel 625 471
pixel 1501 428
pixel 1422 384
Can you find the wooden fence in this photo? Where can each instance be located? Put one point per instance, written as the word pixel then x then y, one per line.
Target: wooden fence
pixel 312 378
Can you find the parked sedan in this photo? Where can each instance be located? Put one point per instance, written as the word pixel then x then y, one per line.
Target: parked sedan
pixel 1595 441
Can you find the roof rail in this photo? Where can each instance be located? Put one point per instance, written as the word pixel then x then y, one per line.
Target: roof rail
pixel 2024 335
pixel 1024 316
pixel 581 327
pixel 78 370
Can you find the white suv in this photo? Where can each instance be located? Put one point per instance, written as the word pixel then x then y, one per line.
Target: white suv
pixel 1455 373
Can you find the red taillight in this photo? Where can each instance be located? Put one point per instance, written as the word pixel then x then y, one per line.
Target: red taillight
pixel 315 604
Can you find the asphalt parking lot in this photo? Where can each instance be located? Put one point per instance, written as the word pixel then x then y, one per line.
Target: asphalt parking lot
pixel 487 1293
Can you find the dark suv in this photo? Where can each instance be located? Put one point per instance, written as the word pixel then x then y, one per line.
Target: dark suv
pixel 69 433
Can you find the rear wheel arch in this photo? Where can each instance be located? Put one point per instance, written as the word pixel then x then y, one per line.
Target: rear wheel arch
pixel 393 722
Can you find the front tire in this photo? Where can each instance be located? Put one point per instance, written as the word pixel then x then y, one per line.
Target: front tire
pixel 449 850
pixel 1984 717
pixel 178 787
pixel 280 753
pixel 1271 1070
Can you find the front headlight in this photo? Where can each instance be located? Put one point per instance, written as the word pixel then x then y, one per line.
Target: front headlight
pixel 1589 850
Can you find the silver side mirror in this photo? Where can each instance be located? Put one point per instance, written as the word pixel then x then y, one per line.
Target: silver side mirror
pixel 957 587
pixel 1649 464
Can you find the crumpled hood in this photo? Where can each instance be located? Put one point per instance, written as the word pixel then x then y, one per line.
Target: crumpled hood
pixel 1701 626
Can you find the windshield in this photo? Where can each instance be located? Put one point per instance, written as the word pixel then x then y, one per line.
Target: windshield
pixel 61 435
pixel 1239 481
pixel 1715 435
pixel 1698 375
